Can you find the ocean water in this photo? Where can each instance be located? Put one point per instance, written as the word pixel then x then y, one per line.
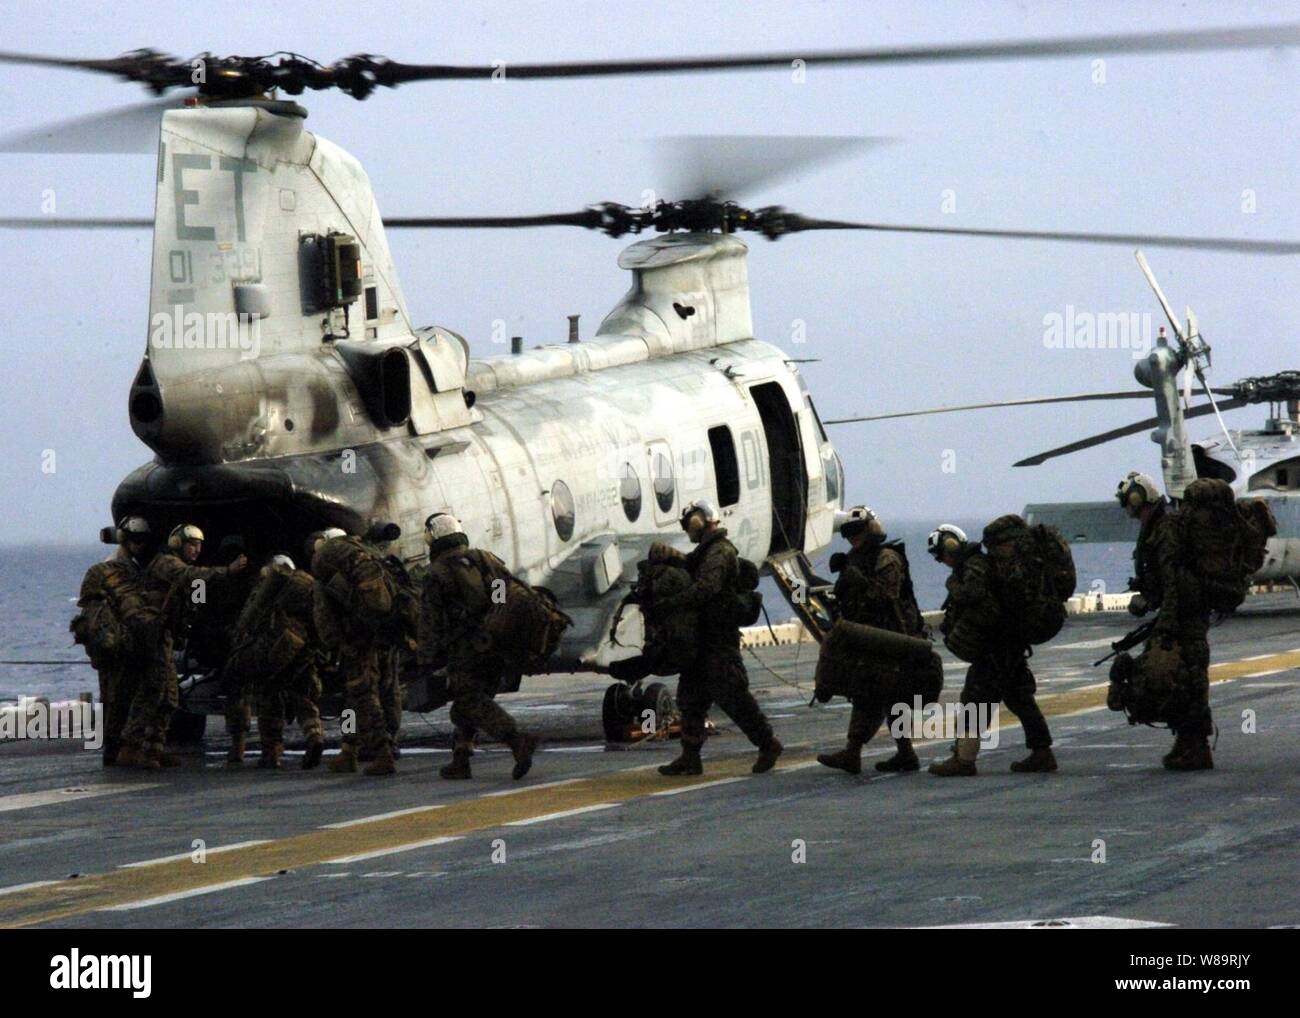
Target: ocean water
pixel 39 584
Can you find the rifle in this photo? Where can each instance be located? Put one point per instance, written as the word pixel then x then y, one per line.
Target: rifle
pixel 1127 643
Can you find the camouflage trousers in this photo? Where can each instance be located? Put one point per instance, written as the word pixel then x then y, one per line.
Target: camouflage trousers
pixel 1188 707
pixel 117 683
pixel 390 693
pixel 473 687
pixel 156 698
pixel 717 676
pixel 363 677
pixel 866 718
pixel 293 692
pixel 1002 675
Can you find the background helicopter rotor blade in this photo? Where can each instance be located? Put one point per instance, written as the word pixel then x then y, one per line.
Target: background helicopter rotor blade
pixel 730 166
pixel 72 223
pixel 126 129
pixel 1031 401
pixel 1160 295
pixel 1128 429
pixel 795 223
pixel 359 75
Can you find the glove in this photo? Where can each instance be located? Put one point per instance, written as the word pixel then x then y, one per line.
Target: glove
pixel 837 561
pixel 660 552
pixel 1138 606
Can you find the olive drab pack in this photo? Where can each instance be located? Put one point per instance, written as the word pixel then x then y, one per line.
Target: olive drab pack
pixel 1033 576
pixel 1223 540
pixel 861 661
pixel 749 602
pixel 97 628
pixel 370 588
pixel 1146 684
pixel 670 636
pixel 525 626
pixel 115 620
pixel 913 621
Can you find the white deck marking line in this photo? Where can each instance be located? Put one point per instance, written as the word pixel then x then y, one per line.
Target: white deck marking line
pixel 186 855
pixel 51 796
pixel 530 788
pixel 696 788
pixel 381 816
pixel 410 846
pixel 179 895
pixel 27 887
pixel 562 814
pixel 1270 671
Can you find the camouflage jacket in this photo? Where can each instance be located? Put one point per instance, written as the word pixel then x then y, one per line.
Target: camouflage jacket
pixel 1157 533
pixel 869 589
pixel 971 603
pixel 282 599
pixel 179 590
pixel 349 584
pixel 1170 584
pixel 714 584
pixel 113 591
pixel 457 593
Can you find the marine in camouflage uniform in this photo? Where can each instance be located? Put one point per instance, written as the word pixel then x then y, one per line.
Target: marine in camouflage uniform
pixel 1165 583
pixel 869 590
pixel 173 583
pixel 349 585
pixel 458 590
pixel 116 586
pixel 716 673
pixel 274 658
pixel 999 670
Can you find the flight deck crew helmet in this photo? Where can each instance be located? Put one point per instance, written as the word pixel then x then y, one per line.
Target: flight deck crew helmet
pixel 133 528
pixel 859 519
pixel 442 530
pixel 314 541
pixel 705 508
pixel 1137 490
pixel 945 539
pixel 185 532
pixel 282 560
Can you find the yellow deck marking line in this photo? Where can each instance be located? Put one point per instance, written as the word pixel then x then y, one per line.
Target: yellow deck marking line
pixel 378 816
pixel 377 853
pixel 61 899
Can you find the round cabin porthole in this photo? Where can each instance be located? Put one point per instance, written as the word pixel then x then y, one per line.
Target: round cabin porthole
pixel 562 510
pixel 664 483
pixel 629 490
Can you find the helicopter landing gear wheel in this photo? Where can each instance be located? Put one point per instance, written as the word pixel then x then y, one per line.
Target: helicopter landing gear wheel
pixel 658 699
pixel 617 712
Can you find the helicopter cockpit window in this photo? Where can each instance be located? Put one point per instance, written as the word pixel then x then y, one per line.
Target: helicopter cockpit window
pixel 629 490
pixel 665 484
pixel 563 511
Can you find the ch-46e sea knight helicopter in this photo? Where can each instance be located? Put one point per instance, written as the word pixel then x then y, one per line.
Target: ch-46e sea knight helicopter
pixel 566 460
pixel 1261 463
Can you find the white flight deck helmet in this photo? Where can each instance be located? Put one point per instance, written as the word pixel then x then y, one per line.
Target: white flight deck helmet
pixel 442 529
pixel 321 536
pixel 282 560
pixel 945 539
pixel 1136 490
pixel 705 508
pixel 861 518
pixel 133 528
pixel 185 532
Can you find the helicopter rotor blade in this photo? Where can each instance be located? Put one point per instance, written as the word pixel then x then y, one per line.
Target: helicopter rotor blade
pixel 361 74
pixel 69 223
pixel 1128 429
pixel 730 166
pixel 128 129
pixel 794 223
pixel 1160 296
pixel 1076 398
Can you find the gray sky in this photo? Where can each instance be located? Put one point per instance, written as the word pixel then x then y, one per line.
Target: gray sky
pixel 1167 144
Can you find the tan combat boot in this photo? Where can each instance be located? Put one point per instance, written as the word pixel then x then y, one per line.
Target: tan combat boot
pixel 346 761
pixel 1039 761
pixel 270 758
pixel 767 754
pixel 523 746
pixel 235 757
pixel 382 764
pixel 848 759
pixel 962 762
pixel 904 759
pixel 458 769
pixel 315 750
pixel 687 763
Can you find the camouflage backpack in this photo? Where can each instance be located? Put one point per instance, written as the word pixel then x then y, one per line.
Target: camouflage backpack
pixel 1223 540
pixel 524 628
pixel 670 636
pixel 1033 576
pixel 749 602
